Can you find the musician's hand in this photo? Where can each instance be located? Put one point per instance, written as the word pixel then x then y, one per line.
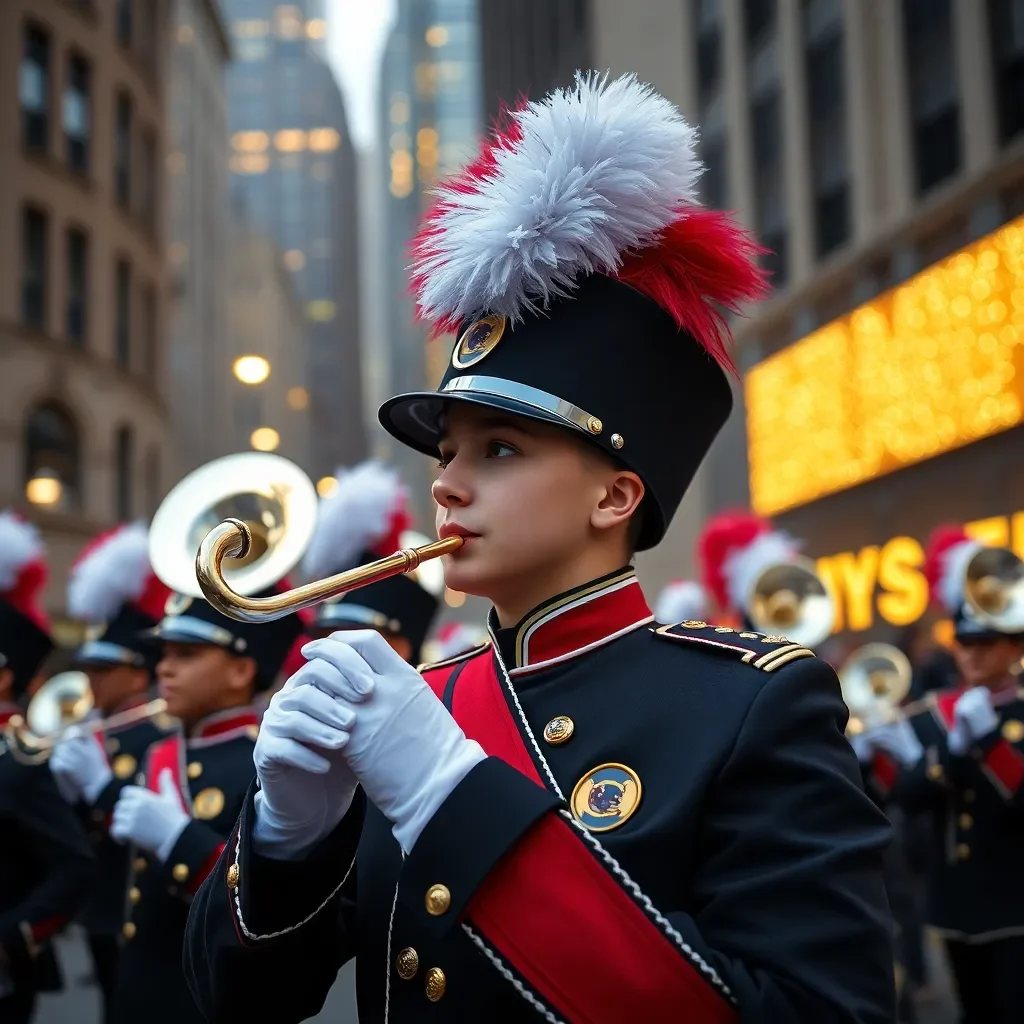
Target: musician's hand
pixel 973 719
pixel 151 820
pixel 80 767
pixel 306 787
pixel 405 749
pixel 899 740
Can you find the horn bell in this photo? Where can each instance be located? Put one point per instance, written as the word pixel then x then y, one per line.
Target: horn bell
pixel 64 699
pixel 874 680
pixel 994 589
pixel 270 495
pixel 791 598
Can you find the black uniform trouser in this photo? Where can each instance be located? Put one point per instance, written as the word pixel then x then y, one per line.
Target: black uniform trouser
pixel 17 1008
pixel 104 950
pixel 989 980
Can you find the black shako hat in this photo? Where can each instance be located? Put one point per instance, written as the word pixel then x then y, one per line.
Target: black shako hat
pixel 586 286
pixel 24 646
pixel 122 642
pixel 191 620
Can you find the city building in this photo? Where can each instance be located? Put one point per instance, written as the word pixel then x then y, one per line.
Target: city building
pixel 85 438
pixel 293 168
pixel 197 211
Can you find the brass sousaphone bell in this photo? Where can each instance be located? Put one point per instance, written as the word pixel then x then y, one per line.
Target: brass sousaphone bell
pixel 994 589
pixel 875 679
pixel 790 598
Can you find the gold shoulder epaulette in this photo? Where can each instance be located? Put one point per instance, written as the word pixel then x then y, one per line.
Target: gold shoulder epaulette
pixel 764 651
pixel 427 666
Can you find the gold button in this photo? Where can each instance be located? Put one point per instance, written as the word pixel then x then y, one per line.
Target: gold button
pixel 128 929
pixel 694 624
pixel 963 851
pixel 935 772
pixel 966 821
pixel 724 629
pixel 195 769
pixel 439 899
pixel 140 864
pixel 180 872
pixel 1013 731
pixel 435 984
pixel 595 426
pixel 969 795
pixel 134 894
pixel 407 963
pixel 559 730
pixel 233 876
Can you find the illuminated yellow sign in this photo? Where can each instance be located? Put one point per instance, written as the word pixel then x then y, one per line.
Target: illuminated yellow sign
pixel 888 580
pixel 928 367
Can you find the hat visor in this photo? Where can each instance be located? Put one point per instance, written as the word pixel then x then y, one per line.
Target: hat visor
pixel 101 653
pixel 183 629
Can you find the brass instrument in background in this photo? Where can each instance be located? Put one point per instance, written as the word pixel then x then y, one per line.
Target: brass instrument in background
pixel 63 701
pixel 790 598
pixel 875 680
pixel 994 589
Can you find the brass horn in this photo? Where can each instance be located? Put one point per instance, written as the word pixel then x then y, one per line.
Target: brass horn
pixel 790 598
pixel 994 589
pixel 271 499
pixel 874 679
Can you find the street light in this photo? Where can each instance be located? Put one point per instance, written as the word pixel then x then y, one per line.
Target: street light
pixel 44 488
pixel 265 439
pixel 326 486
pixel 251 369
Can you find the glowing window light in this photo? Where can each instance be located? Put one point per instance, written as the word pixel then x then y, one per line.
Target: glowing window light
pixel 320 310
pixel 250 142
pixel 926 368
pixel 251 369
pixel 265 439
pixel 326 486
pixel 436 36
pixel 44 488
pixel 316 28
pixel 324 140
pixel 290 140
pixel 297 398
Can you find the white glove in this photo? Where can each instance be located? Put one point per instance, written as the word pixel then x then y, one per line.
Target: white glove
pixel 405 749
pixel 151 820
pixel 973 718
pixel 80 767
pixel 306 787
pixel 899 740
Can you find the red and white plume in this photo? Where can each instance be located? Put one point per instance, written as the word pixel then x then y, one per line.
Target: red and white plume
pixel 23 568
pixel 365 512
pixel 113 570
pixel 946 555
pixel 597 178
pixel 681 600
pixel 454 638
pixel 734 549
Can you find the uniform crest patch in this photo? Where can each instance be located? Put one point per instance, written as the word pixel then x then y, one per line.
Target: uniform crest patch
pixel 606 797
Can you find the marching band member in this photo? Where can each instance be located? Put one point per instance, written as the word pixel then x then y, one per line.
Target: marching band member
pixel 363 519
pixel 679 601
pixel 592 819
pixel 179 814
pixel 46 865
pixel 113 587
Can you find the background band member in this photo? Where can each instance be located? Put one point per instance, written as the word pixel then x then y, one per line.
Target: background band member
pixel 362 520
pixel 111 586
pixel 46 865
pixel 681 600
pixel 179 816
pixel 592 819
pixel 452 640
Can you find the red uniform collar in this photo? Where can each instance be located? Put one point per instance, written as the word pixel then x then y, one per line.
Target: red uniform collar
pixel 224 725
pixel 573 623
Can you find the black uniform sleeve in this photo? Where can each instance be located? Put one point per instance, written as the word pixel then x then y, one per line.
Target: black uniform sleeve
pixel 255 918
pixel 55 840
pixel 108 796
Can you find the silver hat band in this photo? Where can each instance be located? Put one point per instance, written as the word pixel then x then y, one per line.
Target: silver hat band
pixel 338 612
pixel 106 652
pixel 185 629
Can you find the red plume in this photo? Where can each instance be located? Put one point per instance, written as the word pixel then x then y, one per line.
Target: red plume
pixel 942 539
pixel 722 535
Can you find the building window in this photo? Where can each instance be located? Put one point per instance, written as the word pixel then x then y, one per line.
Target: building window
pixel 124 22
pixel 34 89
pixel 51 452
pixel 123 452
pixel 712 147
pixel 154 488
pixel 76 114
pixel 758 19
pixel 76 323
pixel 826 105
pixel 1006 18
pixel 123 314
pixel 34 267
pixel 932 84
pixel 148 199
pixel 123 150
pixel 150 339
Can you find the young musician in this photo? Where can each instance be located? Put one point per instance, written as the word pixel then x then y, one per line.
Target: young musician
pixel 113 587
pixel 178 817
pixel 46 865
pixel 592 819
pixel 363 520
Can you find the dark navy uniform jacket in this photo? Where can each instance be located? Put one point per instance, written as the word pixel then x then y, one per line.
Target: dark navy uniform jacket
pixel 975 805
pixel 46 866
pixel 670 826
pixel 213 767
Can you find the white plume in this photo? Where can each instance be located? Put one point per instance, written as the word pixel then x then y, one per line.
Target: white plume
pixel 20 544
pixel 600 169
pixel 743 567
pixel 353 518
pixel 954 565
pixel 114 572
pixel 679 601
